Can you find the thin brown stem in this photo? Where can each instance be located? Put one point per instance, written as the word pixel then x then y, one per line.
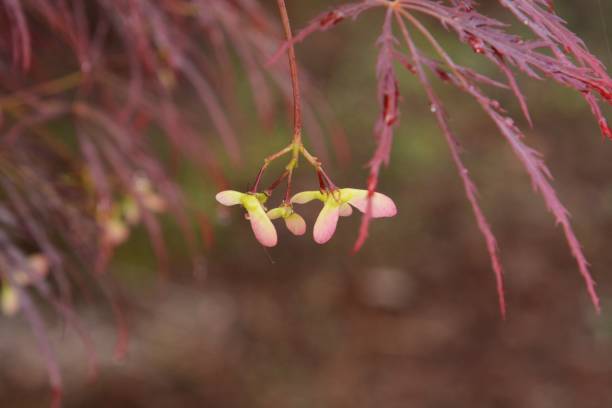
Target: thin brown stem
pixel 316 163
pixel 330 183
pixel 295 83
pixel 296 147
pixel 288 192
pixel 268 191
pixel 322 185
pixel 267 162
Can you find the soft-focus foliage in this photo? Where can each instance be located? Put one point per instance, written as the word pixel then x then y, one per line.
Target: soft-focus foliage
pixel 571 65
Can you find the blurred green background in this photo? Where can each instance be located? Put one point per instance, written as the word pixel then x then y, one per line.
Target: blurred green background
pixel 409 321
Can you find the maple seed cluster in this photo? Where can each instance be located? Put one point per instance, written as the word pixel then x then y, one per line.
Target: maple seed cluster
pixel 337 202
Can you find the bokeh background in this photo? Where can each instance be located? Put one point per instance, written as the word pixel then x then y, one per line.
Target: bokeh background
pixel 409 321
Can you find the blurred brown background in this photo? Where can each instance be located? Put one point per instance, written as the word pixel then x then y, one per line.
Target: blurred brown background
pixel 412 319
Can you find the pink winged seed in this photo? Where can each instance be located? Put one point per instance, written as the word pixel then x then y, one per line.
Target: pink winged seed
pixel 229 197
pixel 325 226
pixel 382 205
pixel 262 227
pixel 305 197
pixel 345 210
pixel 296 224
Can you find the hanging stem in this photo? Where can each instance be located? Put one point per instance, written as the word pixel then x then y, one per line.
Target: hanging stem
pixel 295 83
pixel 267 162
pixel 268 191
pixel 296 146
pixel 288 191
pixel 297 103
pixel 324 180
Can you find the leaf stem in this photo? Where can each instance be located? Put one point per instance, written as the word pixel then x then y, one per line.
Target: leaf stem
pixel 438 48
pixel 268 191
pixel 267 162
pixel 296 147
pixel 295 83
